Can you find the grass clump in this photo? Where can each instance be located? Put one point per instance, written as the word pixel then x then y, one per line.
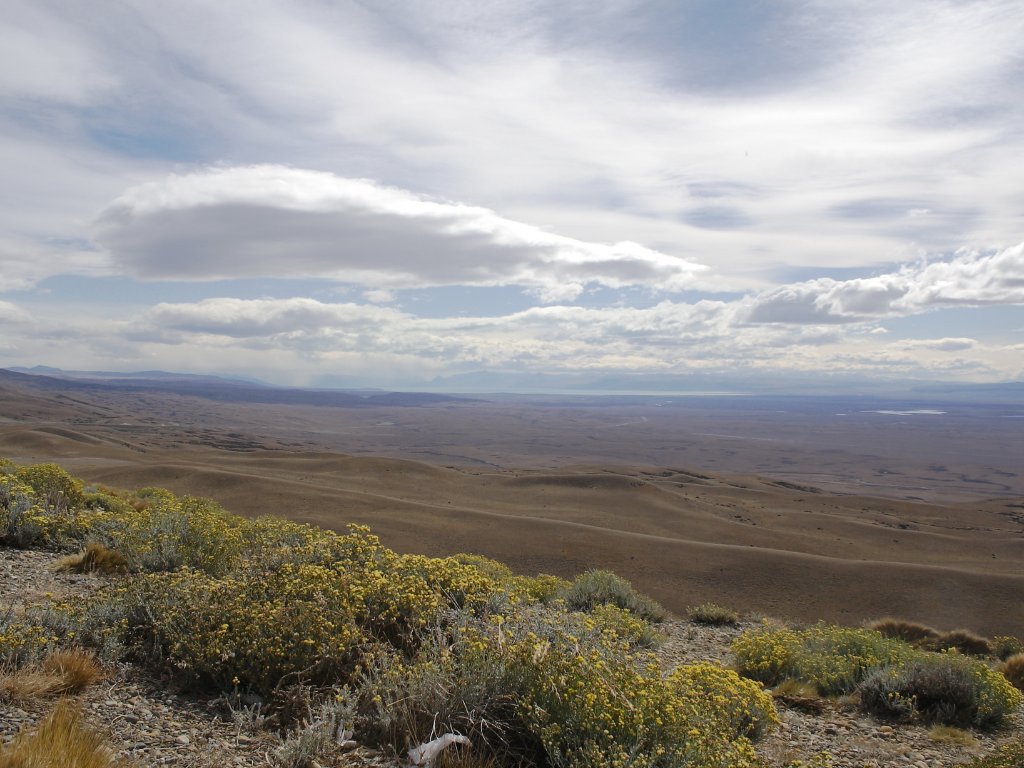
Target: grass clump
pixel 60 741
pixel 948 734
pixel 60 673
pixel 715 615
pixel 599 587
pixel 931 639
pixel 962 641
pixel 947 688
pixel 907 631
pixel 1013 671
pixel 95 558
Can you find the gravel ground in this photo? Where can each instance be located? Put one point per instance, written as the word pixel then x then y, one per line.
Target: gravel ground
pixel 154 726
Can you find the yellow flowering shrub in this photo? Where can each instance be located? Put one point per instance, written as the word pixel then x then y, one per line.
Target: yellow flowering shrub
pixel 54 488
pixel 833 658
pixel 246 629
pixel 591 699
pixel 542 588
pixel 767 654
pixel 740 705
pixel 546 687
pixel 23 521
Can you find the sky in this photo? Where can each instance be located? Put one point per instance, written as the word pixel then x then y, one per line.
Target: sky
pixel 382 192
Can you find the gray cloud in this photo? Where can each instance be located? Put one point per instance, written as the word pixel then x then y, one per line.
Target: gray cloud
pixel 717 217
pixel 284 222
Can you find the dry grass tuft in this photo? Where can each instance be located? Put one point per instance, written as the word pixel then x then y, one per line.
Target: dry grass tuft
pixel 60 741
pixel 907 631
pixel 713 614
pixel 96 558
pixel 799 695
pixel 961 640
pixel 1013 670
pixel 946 734
pixel 60 673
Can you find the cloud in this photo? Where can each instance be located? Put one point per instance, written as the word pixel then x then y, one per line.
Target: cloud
pixel 12 314
pixel 23 262
pixel 665 336
pixel 43 57
pixel 274 221
pixel 939 345
pixel 969 279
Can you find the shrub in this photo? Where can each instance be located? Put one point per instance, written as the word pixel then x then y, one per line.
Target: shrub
pixel 24 640
pixel 715 615
pixel 301 621
pixel 317 737
pixel 1013 671
pixel 741 707
pixel 168 533
pixel 560 689
pixel 249 630
pixel 56 489
pixel 60 741
pixel 595 588
pixel 22 520
pixel 834 659
pixel 940 688
pixel 1005 646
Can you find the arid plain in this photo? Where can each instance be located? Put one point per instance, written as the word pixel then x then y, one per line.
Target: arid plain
pixel 803 508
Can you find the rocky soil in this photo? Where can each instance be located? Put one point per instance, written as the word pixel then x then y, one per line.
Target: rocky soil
pixel 154 726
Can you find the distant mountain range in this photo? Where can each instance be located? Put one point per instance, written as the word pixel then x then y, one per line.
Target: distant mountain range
pixel 595 385
pixel 217 388
pixel 767 383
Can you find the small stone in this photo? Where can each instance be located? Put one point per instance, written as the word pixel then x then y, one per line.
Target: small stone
pixel 886 729
pixel 183 740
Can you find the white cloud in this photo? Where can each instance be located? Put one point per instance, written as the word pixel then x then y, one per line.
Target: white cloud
pixel 284 222
pixel 969 279
pixel 12 314
pixel 43 57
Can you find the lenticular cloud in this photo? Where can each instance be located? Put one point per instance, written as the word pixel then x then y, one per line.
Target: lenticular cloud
pixel 274 221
